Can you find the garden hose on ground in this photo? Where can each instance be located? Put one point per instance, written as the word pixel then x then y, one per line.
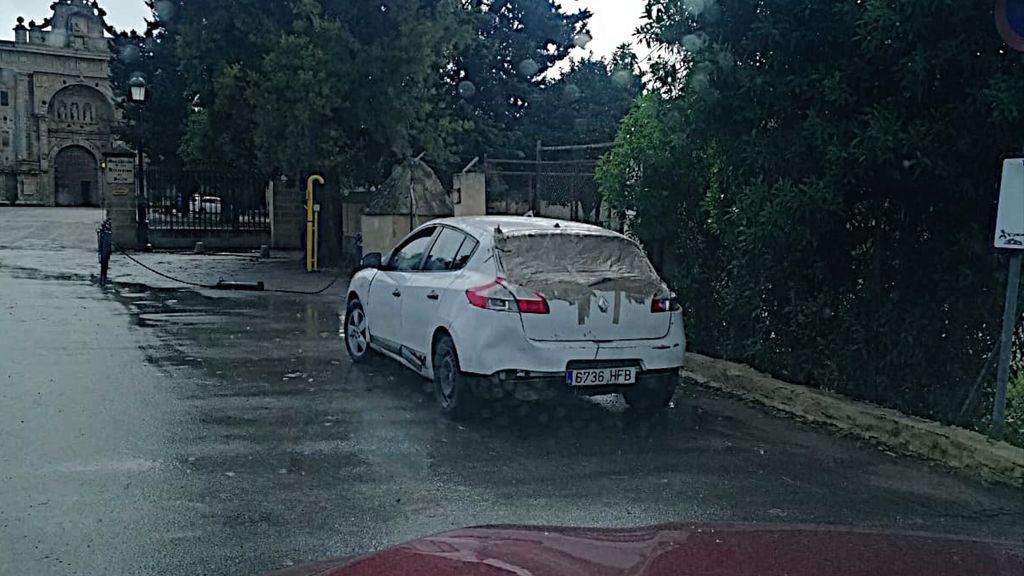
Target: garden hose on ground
pixel 247 286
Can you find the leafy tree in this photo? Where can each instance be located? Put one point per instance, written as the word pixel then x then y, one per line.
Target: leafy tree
pixel 151 56
pixel 494 77
pixel 587 103
pixel 833 183
pixel 351 87
pixel 356 87
pixel 292 85
pixel 219 46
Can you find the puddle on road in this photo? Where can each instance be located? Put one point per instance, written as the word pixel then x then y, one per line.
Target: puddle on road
pixel 228 356
pixel 26 273
pixel 247 340
pixel 266 368
pixel 269 346
pixel 176 318
pixel 179 306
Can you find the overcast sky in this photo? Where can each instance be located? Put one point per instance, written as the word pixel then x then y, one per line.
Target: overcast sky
pixel 613 23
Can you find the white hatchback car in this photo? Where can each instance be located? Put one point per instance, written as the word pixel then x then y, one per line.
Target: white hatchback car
pixel 489 306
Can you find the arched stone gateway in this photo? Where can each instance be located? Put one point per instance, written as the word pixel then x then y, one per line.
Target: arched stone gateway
pixel 55 92
pixel 76 177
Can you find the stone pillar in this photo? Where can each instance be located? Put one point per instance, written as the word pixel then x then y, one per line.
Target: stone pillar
pixel 44 142
pixel 288 220
pixel 121 205
pixel 21 32
pixel 22 116
pixel 470 194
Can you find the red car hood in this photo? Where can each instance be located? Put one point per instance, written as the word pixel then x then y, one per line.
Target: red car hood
pixel 681 550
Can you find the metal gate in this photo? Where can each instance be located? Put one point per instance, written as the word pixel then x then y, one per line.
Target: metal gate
pixel 206 200
pixel 559 182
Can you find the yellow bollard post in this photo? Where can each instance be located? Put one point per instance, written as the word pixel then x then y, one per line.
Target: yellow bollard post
pixel 311 239
pixel 316 235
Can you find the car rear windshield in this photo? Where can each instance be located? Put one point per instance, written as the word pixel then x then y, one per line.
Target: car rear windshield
pixel 560 264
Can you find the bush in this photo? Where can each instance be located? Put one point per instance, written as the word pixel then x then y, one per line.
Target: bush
pixel 1015 410
pixel 818 180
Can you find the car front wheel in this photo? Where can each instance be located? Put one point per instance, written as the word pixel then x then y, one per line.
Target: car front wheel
pixel 453 389
pixel 357 335
pixel 652 392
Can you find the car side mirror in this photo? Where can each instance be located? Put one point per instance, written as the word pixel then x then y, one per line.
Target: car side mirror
pixel 372 260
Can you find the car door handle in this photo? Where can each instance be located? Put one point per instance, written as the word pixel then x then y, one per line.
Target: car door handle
pixel 397 294
pixel 433 296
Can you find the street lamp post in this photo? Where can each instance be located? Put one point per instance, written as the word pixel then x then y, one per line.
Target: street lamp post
pixel 137 87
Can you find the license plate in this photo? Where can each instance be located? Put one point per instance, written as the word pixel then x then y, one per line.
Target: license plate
pixel 600 376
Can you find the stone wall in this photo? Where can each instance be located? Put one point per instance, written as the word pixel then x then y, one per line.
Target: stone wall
pixel 287 217
pixel 382 233
pixel 216 240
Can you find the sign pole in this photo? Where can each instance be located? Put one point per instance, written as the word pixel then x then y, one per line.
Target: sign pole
pixel 1006 347
pixel 1009 237
pixel 1009 16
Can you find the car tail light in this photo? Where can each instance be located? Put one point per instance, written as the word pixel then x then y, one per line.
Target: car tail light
pixel 504 296
pixel 662 304
pixel 534 306
pixel 491 296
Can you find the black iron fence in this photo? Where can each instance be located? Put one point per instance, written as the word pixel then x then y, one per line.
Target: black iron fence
pixel 206 200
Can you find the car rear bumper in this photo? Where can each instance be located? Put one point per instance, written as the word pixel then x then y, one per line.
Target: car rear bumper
pixel 494 343
pixel 523 385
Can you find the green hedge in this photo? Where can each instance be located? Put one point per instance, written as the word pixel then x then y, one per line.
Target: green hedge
pixel 818 180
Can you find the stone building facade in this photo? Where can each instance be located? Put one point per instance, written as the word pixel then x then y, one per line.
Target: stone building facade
pixel 56 108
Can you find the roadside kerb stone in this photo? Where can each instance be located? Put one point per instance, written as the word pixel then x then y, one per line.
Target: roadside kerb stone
pixel 950 445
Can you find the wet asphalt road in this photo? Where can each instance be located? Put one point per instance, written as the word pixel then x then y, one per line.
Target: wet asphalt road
pixel 171 432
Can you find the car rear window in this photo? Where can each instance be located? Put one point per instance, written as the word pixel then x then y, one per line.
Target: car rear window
pixel 562 263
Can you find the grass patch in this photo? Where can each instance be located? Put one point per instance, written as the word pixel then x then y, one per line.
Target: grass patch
pixel 1015 409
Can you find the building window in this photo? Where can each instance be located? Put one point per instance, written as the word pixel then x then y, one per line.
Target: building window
pixel 5 140
pixel 4 98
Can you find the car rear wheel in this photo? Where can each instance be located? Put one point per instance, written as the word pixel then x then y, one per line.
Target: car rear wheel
pixel 652 392
pixel 453 389
pixel 357 334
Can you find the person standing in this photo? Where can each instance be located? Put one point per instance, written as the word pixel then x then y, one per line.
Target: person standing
pixel 105 247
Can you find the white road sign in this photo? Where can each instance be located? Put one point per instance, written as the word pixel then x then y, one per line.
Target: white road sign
pixel 1010 220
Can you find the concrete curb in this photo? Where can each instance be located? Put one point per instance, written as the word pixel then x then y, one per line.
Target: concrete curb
pixel 952 446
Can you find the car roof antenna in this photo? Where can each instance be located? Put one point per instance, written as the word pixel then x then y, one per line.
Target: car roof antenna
pixel 557 225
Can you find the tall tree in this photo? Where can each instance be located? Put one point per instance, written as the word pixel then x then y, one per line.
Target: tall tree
pixel 150 55
pixel 355 87
pixel 495 77
pixel 587 103
pixel 288 86
pixel 219 47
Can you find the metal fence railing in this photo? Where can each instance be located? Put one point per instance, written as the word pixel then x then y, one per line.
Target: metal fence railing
pixel 206 200
pixel 535 184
